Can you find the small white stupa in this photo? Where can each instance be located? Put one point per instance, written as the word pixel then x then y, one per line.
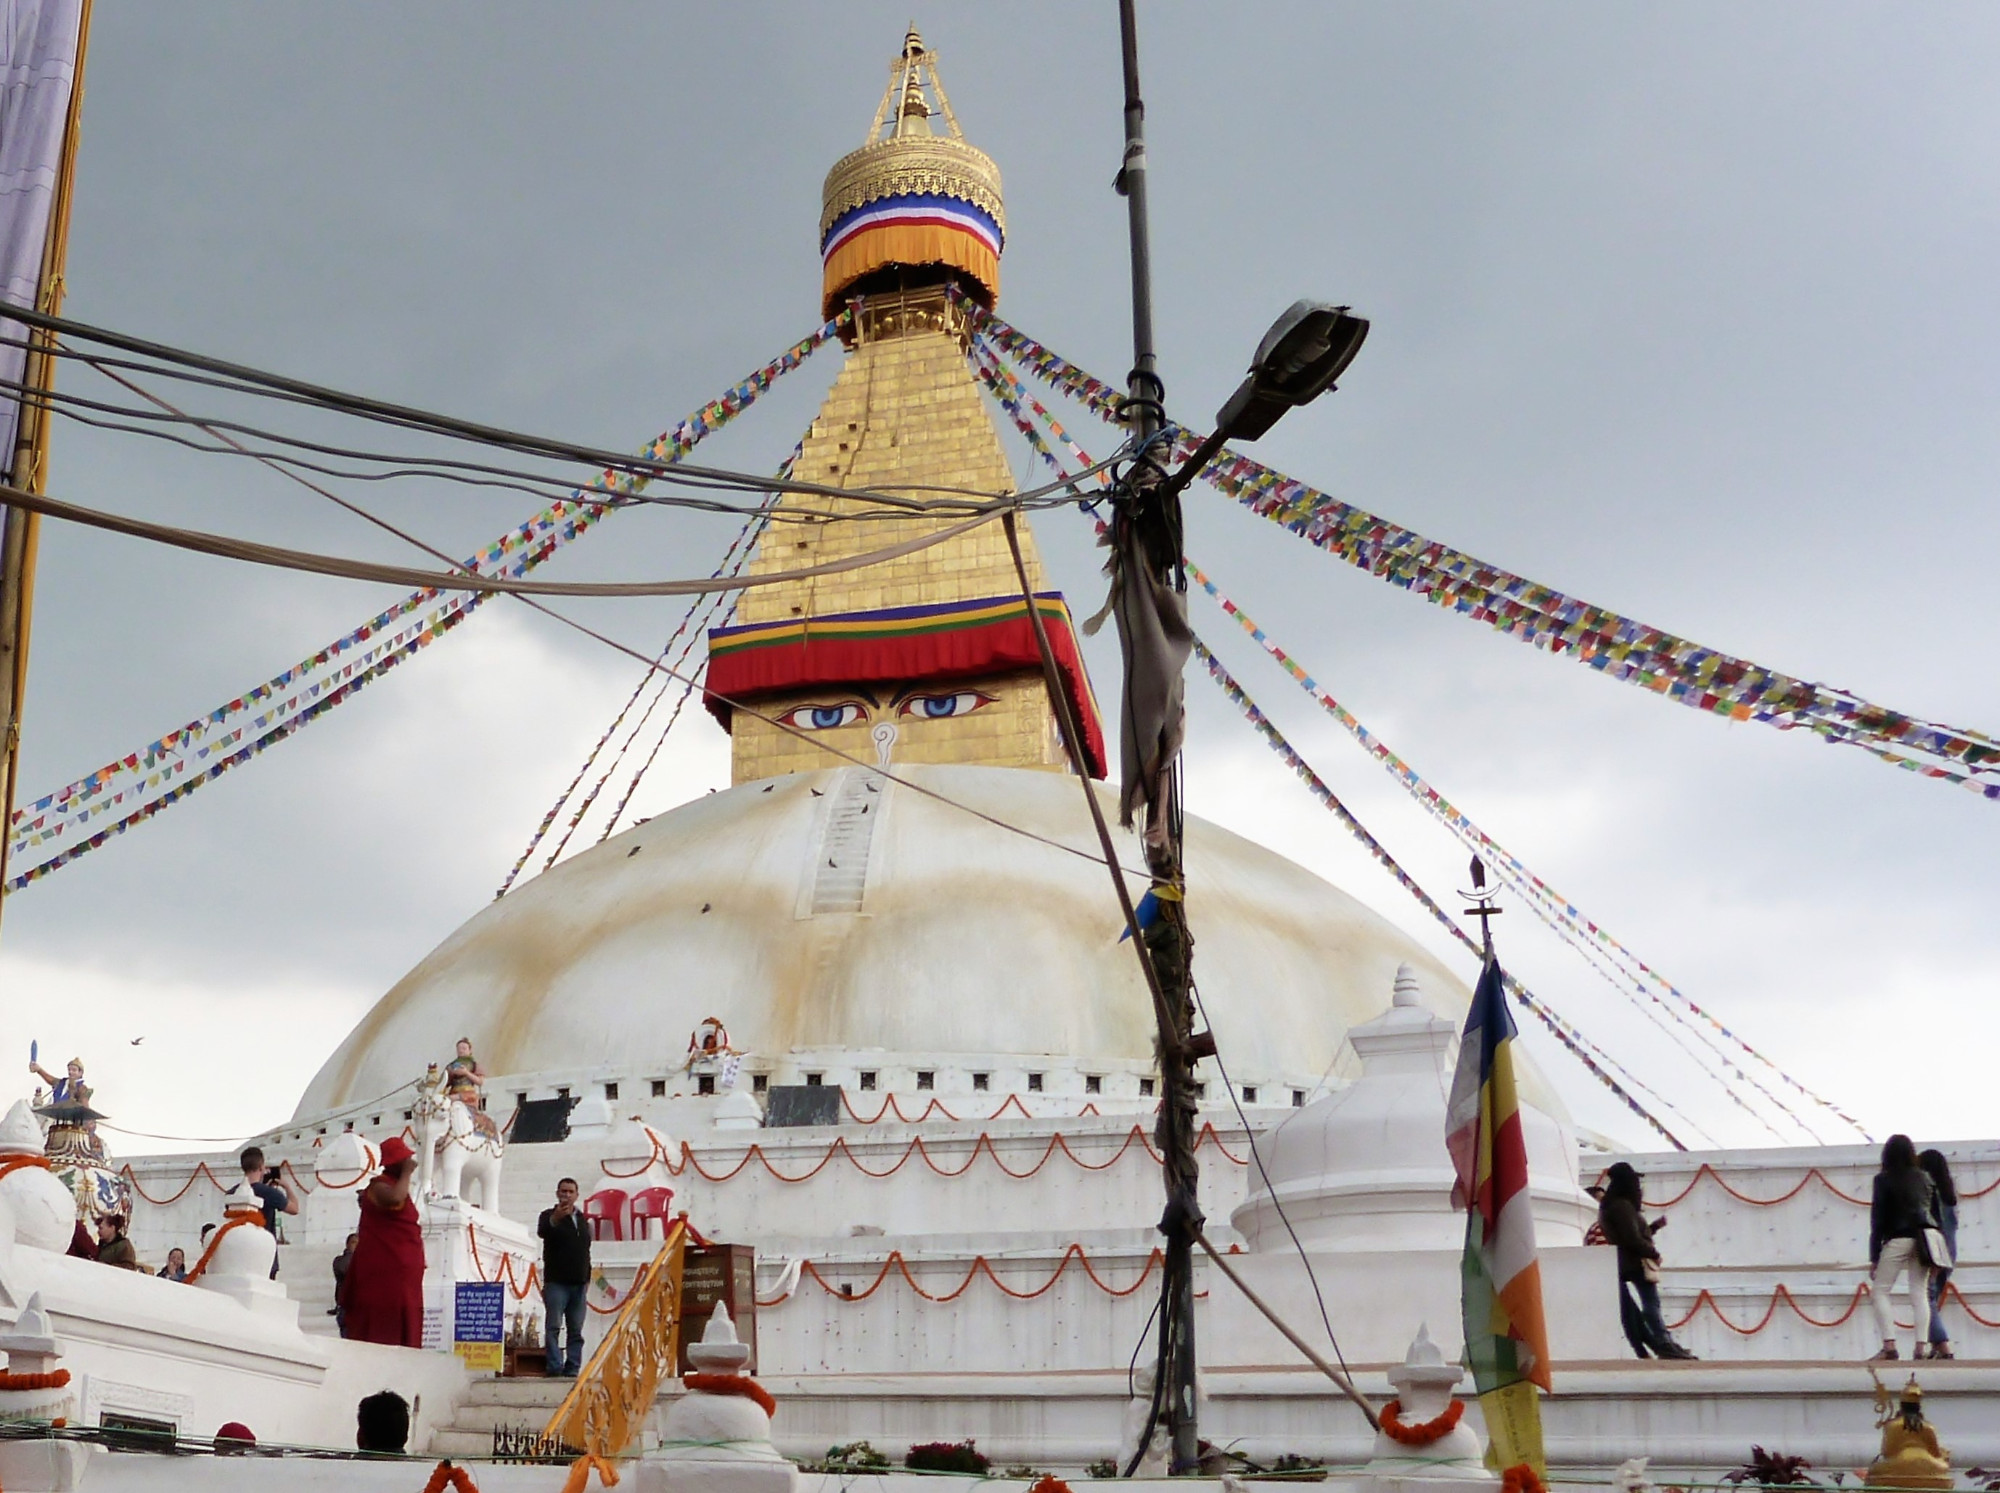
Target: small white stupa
pixel 42 1210
pixel 717 1437
pixel 1452 1459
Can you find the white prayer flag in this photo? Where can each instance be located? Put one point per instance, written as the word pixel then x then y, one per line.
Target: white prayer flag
pixel 37 68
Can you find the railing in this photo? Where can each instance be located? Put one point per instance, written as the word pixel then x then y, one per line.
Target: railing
pixel 605 1410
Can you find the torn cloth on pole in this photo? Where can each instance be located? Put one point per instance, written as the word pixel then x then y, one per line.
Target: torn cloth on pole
pixel 1155 640
pixel 38 41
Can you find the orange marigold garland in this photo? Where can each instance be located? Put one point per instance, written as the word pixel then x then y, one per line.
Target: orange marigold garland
pixel 1521 1478
pixel 733 1384
pixel 58 1379
pixel 1425 1432
pixel 444 1475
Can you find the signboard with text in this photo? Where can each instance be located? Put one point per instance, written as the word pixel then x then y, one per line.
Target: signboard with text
pixel 479 1324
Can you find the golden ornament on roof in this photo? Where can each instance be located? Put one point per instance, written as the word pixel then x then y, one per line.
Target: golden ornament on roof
pixel 904 159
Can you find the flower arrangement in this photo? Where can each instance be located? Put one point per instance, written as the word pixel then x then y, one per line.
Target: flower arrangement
pixel 946 1456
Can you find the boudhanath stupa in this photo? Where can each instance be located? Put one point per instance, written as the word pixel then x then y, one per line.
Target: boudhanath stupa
pixel 866 1013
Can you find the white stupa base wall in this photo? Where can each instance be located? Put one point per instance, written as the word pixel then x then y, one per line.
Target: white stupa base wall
pixel 1376 1300
pixel 139 1346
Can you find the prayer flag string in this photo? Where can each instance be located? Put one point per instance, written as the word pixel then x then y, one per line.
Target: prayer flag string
pixel 305 691
pixel 1007 390
pixel 1615 645
pixel 1561 914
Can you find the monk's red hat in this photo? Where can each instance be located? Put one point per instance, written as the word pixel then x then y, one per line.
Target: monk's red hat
pixel 395 1150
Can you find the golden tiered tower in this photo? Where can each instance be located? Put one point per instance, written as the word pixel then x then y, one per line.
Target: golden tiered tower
pixel 931 657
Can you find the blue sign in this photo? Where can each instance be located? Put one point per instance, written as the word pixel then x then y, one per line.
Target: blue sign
pixel 479 1323
pixel 479 1312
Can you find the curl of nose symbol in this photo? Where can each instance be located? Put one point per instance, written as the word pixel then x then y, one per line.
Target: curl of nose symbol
pixel 884 737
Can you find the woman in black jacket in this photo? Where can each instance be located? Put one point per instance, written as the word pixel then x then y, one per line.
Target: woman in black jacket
pixel 1624 1224
pixel 1904 1205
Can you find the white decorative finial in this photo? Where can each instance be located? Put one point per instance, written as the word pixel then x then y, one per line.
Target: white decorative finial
pixel 1422 1350
pixel 721 1326
pixel 719 1352
pixel 19 1134
pixel 30 1344
pixel 1408 991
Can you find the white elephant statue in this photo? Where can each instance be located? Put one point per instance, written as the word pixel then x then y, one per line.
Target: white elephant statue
pixel 453 1150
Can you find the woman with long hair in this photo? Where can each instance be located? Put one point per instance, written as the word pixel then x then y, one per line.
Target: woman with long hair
pixel 176 1267
pixel 1939 1171
pixel 1621 1214
pixel 1903 1206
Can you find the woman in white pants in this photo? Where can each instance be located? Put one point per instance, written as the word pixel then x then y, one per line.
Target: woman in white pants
pixel 1904 1205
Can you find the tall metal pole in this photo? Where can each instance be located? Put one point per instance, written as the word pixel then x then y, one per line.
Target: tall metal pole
pixel 1153 509
pixel 26 464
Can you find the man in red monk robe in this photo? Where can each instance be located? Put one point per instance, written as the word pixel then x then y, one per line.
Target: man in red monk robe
pixel 385 1279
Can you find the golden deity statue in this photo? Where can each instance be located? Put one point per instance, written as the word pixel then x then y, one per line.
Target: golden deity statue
pixel 1911 1456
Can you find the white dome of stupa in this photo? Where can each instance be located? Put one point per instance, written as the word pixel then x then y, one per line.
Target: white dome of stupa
pixel 840 911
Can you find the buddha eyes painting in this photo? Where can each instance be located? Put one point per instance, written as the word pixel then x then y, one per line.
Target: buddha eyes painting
pixel 831 715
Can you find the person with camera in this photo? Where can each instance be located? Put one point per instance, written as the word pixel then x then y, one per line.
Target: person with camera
pixel 565 1276
pixel 269 1187
pixel 1621 1211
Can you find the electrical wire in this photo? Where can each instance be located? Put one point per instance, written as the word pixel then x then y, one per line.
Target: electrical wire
pixel 1312 1276
pixel 282 558
pixel 260 382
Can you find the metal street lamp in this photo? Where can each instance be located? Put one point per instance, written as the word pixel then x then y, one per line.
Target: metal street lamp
pixel 1304 352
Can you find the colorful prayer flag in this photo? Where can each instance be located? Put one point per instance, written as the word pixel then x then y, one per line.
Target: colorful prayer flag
pixel 1506 1338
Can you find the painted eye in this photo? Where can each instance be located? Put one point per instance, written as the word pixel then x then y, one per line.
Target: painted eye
pixel 943 707
pixel 822 717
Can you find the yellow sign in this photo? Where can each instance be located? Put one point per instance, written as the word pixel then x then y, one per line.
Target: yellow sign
pixel 482 1358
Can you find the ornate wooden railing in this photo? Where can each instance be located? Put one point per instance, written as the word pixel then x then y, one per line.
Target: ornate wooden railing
pixel 605 1409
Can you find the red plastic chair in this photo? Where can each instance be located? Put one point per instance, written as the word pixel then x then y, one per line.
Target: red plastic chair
pixel 605 1212
pixel 653 1203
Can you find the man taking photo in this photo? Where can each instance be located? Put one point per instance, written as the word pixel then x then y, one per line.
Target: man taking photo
pixel 273 1193
pixel 565 1277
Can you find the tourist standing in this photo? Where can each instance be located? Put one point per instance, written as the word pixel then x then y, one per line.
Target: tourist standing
pixel 1621 1212
pixel 176 1267
pixel 565 1277
pixel 1939 1171
pixel 1903 1206
pixel 113 1248
pixel 270 1189
pixel 338 1311
pixel 385 1279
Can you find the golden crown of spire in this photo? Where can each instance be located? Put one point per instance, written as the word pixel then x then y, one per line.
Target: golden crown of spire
pixel 905 155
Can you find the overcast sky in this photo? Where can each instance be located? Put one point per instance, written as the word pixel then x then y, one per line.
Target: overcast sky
pixel 1686 310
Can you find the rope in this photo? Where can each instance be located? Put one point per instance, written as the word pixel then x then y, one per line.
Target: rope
pixel 1781 1295
pixel 1008 391
pixel 1812 1174
pixel 1551 906
pixel 915 1149
pixel 650 677
pixel 1011 394
pixel 1579 1046
pixel 895 1264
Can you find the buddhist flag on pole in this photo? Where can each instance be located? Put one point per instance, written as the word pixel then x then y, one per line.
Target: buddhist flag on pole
pixel 38 41
pixel 1506 1339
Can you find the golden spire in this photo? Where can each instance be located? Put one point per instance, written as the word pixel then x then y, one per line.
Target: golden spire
pixel 930 658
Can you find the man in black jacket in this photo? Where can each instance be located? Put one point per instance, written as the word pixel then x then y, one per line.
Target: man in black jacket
pixel 565 1277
